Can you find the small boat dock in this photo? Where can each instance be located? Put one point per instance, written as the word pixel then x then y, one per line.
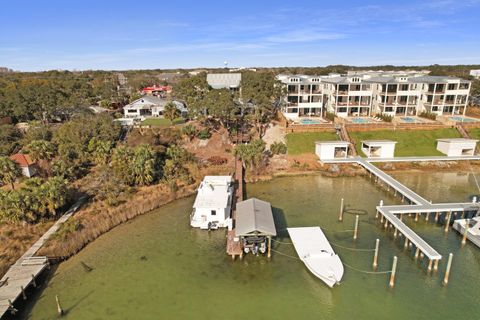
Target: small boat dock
pixel 234 246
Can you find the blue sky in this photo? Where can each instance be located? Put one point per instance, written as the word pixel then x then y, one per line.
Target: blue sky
pixel 121 34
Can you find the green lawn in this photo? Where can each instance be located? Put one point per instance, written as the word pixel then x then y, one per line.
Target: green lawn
pixel 304 142
pixel 161 122
pixel 409 142
pixel 474 133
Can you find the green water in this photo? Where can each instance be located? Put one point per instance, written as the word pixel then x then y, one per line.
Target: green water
pixel 185 273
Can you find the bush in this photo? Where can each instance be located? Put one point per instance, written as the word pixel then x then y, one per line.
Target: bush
pixel 428 115
pixel 190 131
pixel 278 148
pixel 385 117
pixel 204 134
pixel 330 116
pixel 216 160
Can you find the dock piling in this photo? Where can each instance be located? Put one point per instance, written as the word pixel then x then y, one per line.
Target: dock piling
pixel 12 309
pixel 435 265
pixel 447 220
pixel 355 232
pixel 436 217
pixel 33 281
pixel 24 295
pixel 340 217
pixel 465 233
pixel 394 270
pixel 405 245
pixel 447 272
pixel 430 262
pixel 59 307
pixel 375 257
pixel 417 252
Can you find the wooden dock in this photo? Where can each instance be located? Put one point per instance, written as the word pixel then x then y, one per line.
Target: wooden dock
pixel 391 216
pixel 24 272
pixel 234 247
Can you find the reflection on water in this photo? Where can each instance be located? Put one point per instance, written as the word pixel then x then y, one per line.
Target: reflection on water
pixel 156 267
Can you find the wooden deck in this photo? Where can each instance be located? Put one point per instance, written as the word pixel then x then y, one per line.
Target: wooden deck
pixel 234 248
pixel 28 267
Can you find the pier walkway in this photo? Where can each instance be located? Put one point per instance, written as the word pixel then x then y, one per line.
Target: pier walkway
pixel 24 272
pixel 419 205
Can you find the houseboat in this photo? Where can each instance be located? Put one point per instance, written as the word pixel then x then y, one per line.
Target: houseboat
pixel 213 204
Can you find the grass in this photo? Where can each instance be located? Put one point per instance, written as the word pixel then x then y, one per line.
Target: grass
pixel 162 122
pixel 304 142
pixel 474 133
pixel 409 142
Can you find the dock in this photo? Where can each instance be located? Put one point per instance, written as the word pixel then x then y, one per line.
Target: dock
pixel 234 247
pixel 28 267
pixel 417 206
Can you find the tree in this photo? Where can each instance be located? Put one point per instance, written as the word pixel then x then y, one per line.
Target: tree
pixel 221 106
pixel 139 166
pixel 9 171
pixel 193 91
pixel 100 150
pixel 41 150
pixel 251 153
pixel 9 139
pixel 54 194
pixel 171 111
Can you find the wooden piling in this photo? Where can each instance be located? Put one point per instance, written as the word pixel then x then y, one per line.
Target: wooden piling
pixel 430 262
pixel 386 224
pixel 417 252
pixel 24 295
pixel 416 216
pixel 381 218
pixel 394 270
pixel 436 217
pixel 395 233
pixel 269 247
pixel 465 233
pixel 435 265
pixel 375 257
pixel 426 216
pixel 447 272
pixel 33 281
pixel 405 245
pixel 447 220
pixel 12 309
pixel 59 307
pixel 355 232
pixel 340 217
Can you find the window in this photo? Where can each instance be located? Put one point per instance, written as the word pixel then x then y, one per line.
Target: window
pixel 213 212
pixel 341 110
pixel 388 109
pixel 404 87
pixel 452 86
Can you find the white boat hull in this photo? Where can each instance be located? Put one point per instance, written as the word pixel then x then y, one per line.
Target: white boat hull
pixel 473 233
pixel 317 254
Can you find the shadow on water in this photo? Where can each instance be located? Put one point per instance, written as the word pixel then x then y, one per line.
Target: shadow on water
pixel 280 222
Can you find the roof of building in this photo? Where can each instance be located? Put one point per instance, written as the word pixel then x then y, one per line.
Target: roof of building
pixel 457 140
pixel 343 143
pixel 224 80
pixel 377 142
pixel 214 192
pixel 23 160
pixel 148 102
pixel 437 79
pixel 254 215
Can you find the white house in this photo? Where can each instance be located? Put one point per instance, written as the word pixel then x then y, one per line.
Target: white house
pixel 329 150
pixel 475 73
pixel 378 148
pixel 150 106
pixel 213 204
pixel 457 147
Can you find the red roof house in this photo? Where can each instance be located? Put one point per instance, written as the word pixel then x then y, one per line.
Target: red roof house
pixel 25 163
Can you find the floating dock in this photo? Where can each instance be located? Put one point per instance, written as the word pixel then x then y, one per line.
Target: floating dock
pixel 317 254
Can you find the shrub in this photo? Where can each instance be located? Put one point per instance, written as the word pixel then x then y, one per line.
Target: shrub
pixel 330 116
pixel 216 160
pixel 385 117
pixel 190 131
pixel 428 115
pixel 278 148
pixel 204 134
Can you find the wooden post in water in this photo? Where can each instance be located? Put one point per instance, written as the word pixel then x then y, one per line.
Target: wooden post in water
pixel 33 281
pixel 465 233
pixel 426 216
pixel 416 216
pixel 355 232
pixel 340 217
pixel 386 223
pixel 417 252
pixel 12 309
pixel 395 233
pixel 375 257
pixel 381 218
pixel 447 272
pixel 435 265
pixel 24 296
pixel 394 270
pixel 436 217
pixel 430 262
pixel 405 245
pixel 269 246
pixel 59 307
pixel 447 220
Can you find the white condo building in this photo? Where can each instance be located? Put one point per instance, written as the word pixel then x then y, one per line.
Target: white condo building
pixel 407 93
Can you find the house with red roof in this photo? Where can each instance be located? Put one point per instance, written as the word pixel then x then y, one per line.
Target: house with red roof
pixel 29 168
pixel 157 90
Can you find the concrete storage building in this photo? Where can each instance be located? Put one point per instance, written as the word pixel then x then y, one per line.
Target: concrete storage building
pixel 457 147
pixel 329 150
pixel 378 148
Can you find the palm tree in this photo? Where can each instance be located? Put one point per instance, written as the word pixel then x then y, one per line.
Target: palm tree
pixel 54 192
pixel 9 171
pixel 171 111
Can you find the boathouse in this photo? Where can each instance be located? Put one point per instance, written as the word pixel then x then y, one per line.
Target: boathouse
pixel 213 204
pixel 378 148
pixel 254 226
pixel 329 150
pixel 457 147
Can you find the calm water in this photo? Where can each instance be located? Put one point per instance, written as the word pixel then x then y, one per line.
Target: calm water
pixel 185 273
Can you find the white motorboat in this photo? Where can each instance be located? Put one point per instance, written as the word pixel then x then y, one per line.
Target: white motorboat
pixel 317 254
pixel 473 233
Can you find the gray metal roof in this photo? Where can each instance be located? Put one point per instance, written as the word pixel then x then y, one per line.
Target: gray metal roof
pixel 436 79
pixel 148 102
pixel 224 80
pixel 254 215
